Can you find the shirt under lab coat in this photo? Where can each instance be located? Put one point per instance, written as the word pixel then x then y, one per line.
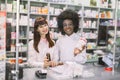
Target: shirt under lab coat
pixel 36 59
pixel 65 48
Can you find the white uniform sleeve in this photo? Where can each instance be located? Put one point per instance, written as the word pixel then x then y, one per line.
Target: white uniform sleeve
pixel 32 56
pixel 81 42
pixel 81 58
pixel 55 56
pixel 57 51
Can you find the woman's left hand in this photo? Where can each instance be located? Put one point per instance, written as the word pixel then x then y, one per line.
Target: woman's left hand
pixel 76 51
pixel 52 63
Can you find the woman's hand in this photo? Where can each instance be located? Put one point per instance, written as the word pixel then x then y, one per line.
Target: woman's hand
pixel 48 63
pixel 78 50
pixel 53 63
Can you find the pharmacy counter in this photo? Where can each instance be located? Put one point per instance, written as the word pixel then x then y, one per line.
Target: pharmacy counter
pixel 90 72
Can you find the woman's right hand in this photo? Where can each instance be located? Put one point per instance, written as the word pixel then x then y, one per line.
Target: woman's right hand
pixel 46 62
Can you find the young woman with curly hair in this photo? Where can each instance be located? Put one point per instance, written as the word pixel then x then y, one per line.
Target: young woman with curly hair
pixel 71 46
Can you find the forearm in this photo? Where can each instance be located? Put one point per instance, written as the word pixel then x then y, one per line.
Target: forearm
pixel 36 64
pixel 81 58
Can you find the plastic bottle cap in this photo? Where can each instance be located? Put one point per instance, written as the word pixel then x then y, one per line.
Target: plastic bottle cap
pixel 108 69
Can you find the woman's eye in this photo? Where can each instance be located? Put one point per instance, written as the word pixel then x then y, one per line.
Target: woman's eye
pixel 64 25
pixel 45 25
pixel 41 26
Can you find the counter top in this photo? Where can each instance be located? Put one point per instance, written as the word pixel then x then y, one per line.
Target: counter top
pixel 98 71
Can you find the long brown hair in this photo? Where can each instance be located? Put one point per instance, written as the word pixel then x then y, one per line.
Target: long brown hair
pixel 37 37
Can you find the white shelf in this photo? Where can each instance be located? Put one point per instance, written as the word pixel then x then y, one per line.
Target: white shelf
pixel 38 14
pixel 81 9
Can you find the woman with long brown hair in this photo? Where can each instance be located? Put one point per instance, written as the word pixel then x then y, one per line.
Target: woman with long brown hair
pixel 41 45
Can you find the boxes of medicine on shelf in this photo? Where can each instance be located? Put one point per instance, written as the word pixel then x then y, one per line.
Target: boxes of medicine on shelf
pixel 2 7
pixel 9 7
pixel 91 45
pixel 13 35
pixel 44 10
pixel 12 47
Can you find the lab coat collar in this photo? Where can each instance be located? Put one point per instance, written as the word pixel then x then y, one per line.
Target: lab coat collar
pixel 72 36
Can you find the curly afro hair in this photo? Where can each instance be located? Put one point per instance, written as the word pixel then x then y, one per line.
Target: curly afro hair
pixel 70 15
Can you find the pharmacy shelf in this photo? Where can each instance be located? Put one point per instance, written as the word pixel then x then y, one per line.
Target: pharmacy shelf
pixel 90 17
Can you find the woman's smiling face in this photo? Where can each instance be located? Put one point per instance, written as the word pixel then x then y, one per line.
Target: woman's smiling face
pixel 43 29
pixel 68 27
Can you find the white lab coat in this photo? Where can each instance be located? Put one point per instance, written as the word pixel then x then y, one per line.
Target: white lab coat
pixel 65 48
pixel 36 59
